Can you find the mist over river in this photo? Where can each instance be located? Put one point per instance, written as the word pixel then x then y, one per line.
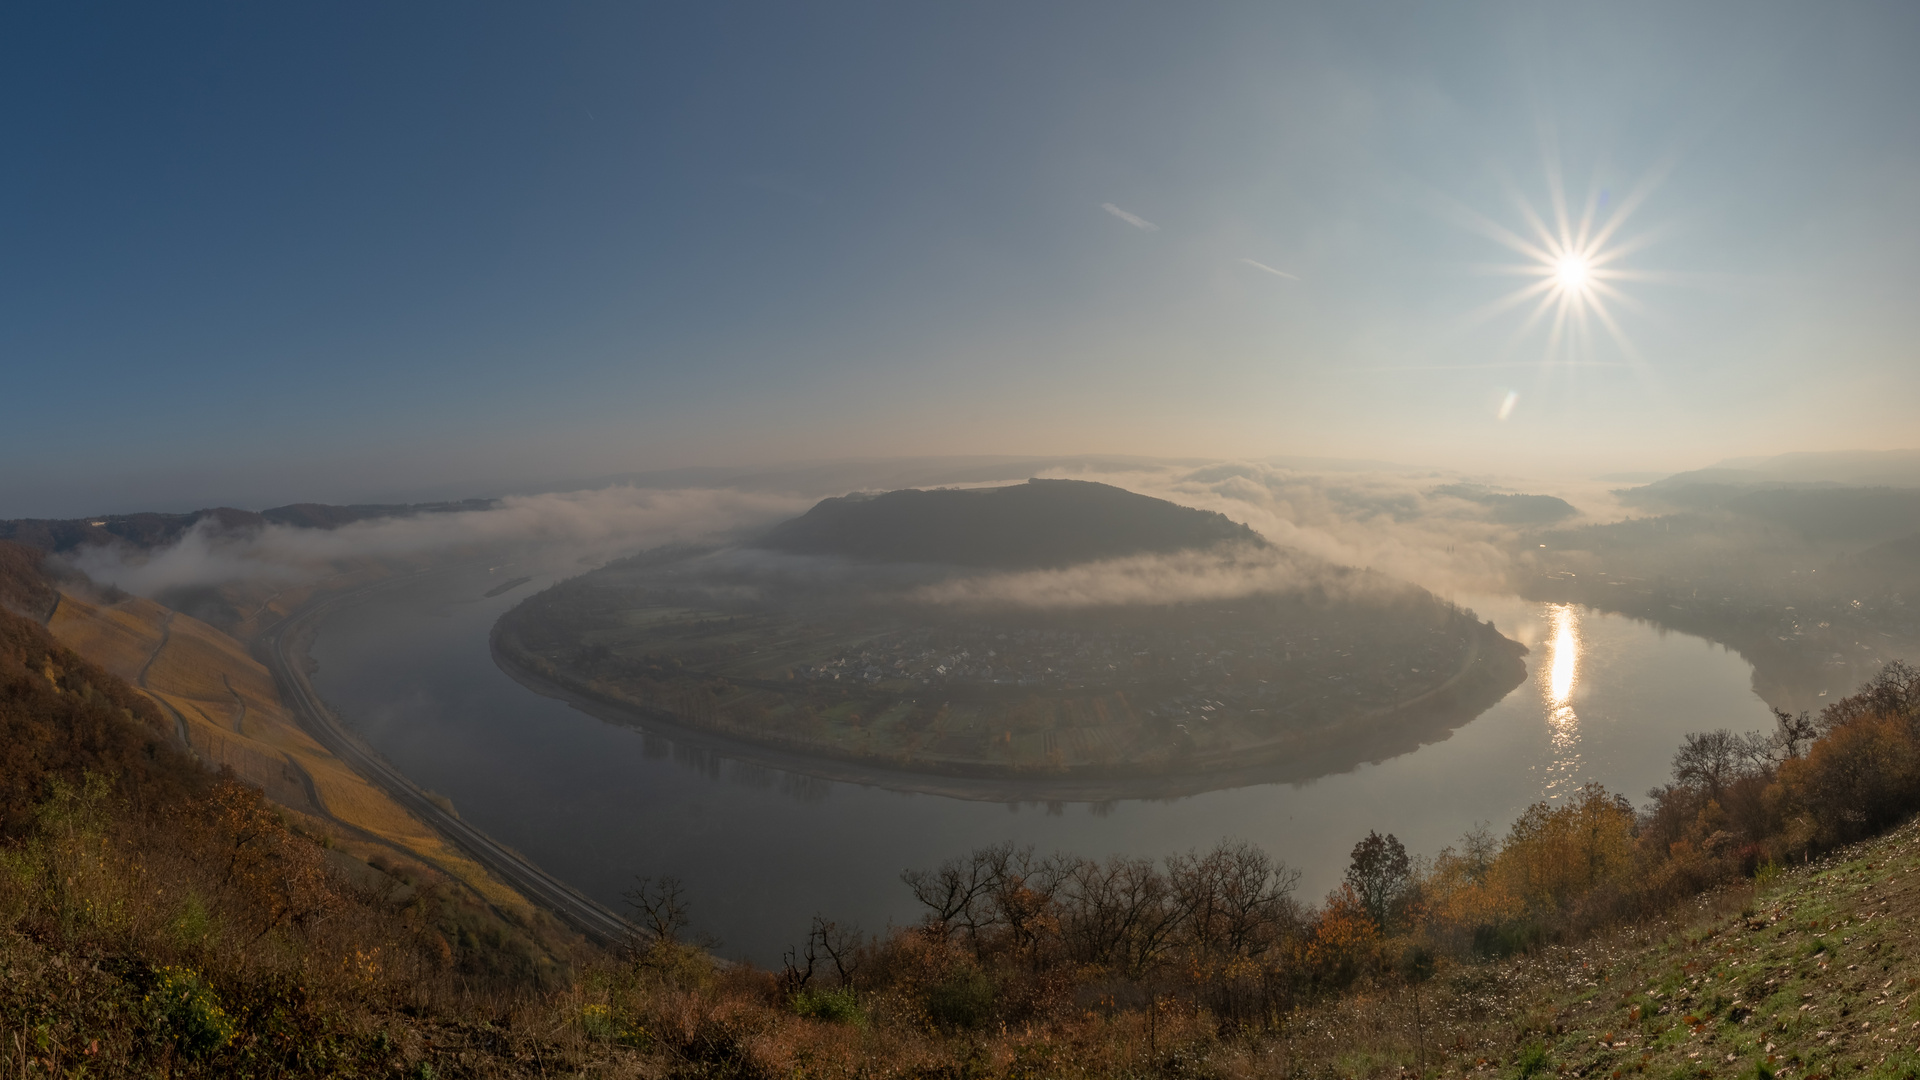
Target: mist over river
pixel 408 667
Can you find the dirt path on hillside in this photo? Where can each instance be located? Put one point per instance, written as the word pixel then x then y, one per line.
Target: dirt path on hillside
pixel 240 720
pixel 140 680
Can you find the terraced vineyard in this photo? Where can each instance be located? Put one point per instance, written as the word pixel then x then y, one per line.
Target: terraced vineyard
pixel 228 712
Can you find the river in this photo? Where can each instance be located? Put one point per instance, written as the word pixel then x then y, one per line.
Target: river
pixel 1607 698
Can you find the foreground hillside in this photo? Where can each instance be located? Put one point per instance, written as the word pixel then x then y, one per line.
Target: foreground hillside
pixel 1810 972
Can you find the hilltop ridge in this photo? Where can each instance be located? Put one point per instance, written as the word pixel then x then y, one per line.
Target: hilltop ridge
pixel 1041 523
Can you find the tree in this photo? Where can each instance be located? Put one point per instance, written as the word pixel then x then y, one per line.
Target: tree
pixel 957 893
pixel 1795 734
pixel 660 910
pixel 1120 913
pixel 1236 898
pixel 1478 848
pixel 826 940
pixel 1708 760
pixel 1557 854
pixel 839 944
pixel 1379 874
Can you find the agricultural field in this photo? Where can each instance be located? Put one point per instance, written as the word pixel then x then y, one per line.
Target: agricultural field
pixel 1106 690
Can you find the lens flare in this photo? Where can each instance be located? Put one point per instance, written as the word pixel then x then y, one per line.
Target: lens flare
pixel 1576 267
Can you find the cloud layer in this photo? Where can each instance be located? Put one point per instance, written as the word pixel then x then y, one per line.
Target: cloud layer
pixel 581 524
pixel 1402 523
pixel 1406 525
pixel 1142 579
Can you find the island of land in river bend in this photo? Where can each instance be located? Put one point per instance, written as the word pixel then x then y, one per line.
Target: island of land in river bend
pixel 886 639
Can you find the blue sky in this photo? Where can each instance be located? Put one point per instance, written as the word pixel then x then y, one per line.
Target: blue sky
pixel 263 253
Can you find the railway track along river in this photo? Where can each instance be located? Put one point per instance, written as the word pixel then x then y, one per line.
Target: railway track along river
pixel 276 647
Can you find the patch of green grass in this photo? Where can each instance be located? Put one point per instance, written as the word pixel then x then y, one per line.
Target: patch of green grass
pixel 1532 1059
pixel 834 1006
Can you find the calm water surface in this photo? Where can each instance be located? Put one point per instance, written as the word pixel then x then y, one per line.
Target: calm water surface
pixel 1607 699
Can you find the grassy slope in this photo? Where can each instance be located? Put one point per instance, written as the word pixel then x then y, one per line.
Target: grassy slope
pixel 1815 974
pixel 1812 973
pixel 233 716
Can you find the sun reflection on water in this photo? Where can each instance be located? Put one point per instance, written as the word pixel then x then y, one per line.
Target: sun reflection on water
pixel 1559 678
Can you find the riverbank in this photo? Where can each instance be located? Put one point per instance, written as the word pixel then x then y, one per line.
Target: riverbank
pixel 285 649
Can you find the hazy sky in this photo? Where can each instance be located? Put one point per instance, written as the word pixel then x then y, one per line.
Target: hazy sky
pixel 276 252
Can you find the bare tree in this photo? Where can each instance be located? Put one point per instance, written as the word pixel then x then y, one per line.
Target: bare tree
pixel 839 944
pixel 1794 733
pixel 1236 899
pixel 1123 913
pixel 1120 913
pixel 796 966
pixel 659 906
pixel 956 893
pixel 1894 691
pixel 1023 891
pixel 826 941
pixel 1708 761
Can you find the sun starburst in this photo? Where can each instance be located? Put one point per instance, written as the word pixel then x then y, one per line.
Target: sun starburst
pixel 1575 263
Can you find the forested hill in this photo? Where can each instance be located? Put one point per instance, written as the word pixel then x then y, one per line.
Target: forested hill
pixel 1040 523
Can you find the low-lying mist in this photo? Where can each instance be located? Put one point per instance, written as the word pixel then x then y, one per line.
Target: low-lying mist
pixel 584 525
pixel 1146 580
pixel 1419 527
pixel 1426 528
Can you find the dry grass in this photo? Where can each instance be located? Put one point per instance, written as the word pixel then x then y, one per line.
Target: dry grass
pixel 119 637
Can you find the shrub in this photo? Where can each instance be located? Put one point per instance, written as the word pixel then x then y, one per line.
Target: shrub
pixel 836 1006
pixel 1858 779
pixel 188 1008
pixel 601 1023
pixel 963 1000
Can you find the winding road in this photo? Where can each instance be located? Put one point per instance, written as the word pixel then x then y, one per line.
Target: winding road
pixel 573 908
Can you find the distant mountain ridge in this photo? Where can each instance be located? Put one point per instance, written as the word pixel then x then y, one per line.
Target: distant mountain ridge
pixel 1041 523
pixel 1850 468
pixel 1512 509
pixel 151 530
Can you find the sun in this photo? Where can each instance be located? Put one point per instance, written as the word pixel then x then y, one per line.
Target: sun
pixel 1573 256
pixel 1572 273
